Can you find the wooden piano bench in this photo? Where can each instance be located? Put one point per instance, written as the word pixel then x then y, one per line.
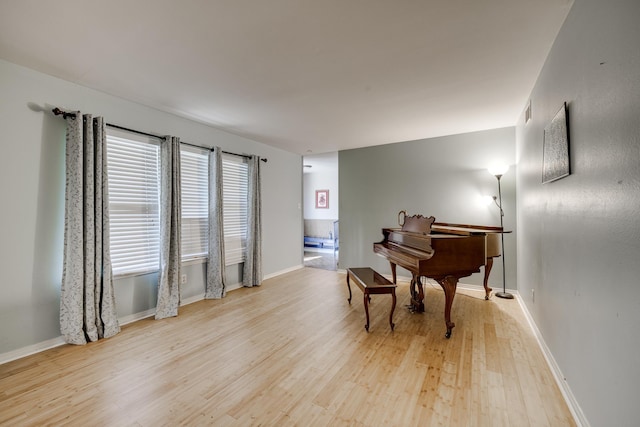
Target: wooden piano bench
pixel 371 283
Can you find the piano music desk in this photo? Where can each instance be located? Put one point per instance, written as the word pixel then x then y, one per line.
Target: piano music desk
pixel 371 282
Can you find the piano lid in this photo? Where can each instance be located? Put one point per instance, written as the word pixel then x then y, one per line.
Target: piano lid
pixel 465 229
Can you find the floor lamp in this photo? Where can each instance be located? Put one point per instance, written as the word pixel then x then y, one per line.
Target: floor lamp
pixel 498 171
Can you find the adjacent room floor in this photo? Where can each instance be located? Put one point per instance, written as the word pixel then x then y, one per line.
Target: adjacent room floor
pixel 326 259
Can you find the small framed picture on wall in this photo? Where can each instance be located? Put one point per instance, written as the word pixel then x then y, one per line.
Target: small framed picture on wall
pixel 322 199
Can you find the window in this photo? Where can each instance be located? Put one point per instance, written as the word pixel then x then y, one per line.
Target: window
pixel 194 177
pixel 133 163
pixel 234 193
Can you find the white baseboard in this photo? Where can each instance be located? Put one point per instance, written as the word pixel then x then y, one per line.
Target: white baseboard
pixel 31 349
pixel 286 270
pixel 58 341
pixel 572 403
pixel 233 287
pixel 125 320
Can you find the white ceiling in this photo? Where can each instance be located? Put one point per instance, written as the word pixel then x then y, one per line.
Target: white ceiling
pixel 307 76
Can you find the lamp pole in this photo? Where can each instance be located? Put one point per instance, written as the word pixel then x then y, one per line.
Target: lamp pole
pixel 504 293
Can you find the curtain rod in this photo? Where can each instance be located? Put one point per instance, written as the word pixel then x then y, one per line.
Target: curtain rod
pixel 58 112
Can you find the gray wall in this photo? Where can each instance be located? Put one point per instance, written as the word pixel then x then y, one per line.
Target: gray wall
pixel 579 245
pixel 445 177
pixel 32 194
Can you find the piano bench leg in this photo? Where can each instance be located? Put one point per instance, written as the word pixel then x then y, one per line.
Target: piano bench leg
pixel 370 283
pixel 366 309
pixel 393 307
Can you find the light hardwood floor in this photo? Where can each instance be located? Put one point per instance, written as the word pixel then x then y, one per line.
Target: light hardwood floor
pixel 294 352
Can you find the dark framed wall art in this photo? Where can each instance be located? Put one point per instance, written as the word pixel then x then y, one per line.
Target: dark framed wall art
pixel 555 155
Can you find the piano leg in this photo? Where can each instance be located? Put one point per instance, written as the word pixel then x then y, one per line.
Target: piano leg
pixel 393 272
pixel 420 295
pixel 412 292
pixel 449 284
pixel 417 296
pixel 487 271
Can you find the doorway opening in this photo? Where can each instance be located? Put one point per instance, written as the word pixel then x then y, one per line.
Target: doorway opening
pixel 320 197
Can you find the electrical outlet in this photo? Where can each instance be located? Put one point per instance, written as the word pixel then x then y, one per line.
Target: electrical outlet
pixel 533 295
pixel 183 279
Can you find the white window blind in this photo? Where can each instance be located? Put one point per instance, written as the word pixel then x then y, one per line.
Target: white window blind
pixel 133 163
pixel 194 177
pixel 234 191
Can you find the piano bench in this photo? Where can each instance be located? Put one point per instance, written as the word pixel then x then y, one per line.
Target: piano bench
pixel 371 282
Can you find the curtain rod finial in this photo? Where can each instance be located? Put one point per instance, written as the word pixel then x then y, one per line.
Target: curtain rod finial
pixel 64 114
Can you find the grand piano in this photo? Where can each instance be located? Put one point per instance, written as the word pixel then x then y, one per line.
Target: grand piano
pixel 440 251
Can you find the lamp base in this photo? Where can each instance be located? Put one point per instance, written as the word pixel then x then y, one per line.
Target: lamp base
pixel 505 295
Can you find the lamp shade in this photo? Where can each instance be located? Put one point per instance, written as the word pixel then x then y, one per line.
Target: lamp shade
pixel 498 169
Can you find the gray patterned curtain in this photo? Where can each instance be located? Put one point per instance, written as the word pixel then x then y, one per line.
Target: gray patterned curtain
pixel 170 250
pixel 252 270
pixel 87 303
pixel 215 287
